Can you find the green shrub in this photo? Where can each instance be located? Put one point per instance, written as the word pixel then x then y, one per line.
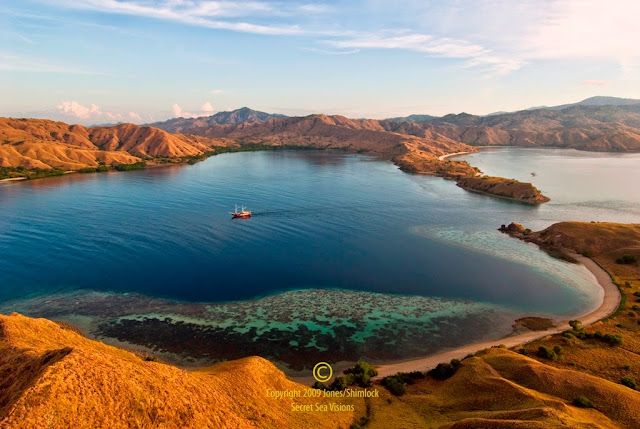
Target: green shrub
pixel 444 370
pixel 627 259
pixel 102 168
pixel 612 340
pixel 318 385
pixel 558 350
pixel 636 294
pixel 129 167
pixel 87 170
pixel 630 382
pixel 583 402
pixel 394 384
pixel 598 335
pixel 339 384
pixel 547 353
pixel 362 373
pixel 576 325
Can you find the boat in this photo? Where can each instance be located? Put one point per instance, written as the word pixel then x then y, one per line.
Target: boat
pixel 242 214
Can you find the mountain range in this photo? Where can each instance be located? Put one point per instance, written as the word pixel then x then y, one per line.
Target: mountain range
pixel 597 124
pixel 28 144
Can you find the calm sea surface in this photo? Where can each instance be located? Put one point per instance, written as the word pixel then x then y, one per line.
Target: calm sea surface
pixel 321 221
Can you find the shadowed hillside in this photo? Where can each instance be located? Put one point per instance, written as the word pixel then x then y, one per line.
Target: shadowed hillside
pixel 238 116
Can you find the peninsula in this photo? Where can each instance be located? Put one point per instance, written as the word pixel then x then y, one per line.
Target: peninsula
pixel 33 148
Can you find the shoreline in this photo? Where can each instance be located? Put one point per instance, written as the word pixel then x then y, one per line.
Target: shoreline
pixel 451 155
pixel 610 303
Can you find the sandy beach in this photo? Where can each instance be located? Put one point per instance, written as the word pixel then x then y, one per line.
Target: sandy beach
pixel 449 155
pixel 12 179
pixel 609 305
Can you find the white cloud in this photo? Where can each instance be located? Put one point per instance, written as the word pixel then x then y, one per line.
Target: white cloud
pixel 202 13
pixel 595 83
pixel 75 109
pixel 216 91
pixel 588 29
pixel 206 107
pixel 442 47
pixel 113 116
pixel 134 116
pixel 179 113
pixel 93 112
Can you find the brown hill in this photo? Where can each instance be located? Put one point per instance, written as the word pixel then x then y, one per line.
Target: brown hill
pixel 43 144
pixel 238 116
pixel 39 143
pixel 587 126
pixel 587 349
pixel 596 128
pixel 332 132
pixel 498 388
pixel 53 377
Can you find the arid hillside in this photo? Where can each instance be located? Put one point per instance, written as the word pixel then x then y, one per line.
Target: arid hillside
pixel 35 148
pixel 498 388
pixel 330 132
pixel 591 126
pixel 52 377
pixel 238 116
pixel 611 348
pixel 595 128
pixel 44 144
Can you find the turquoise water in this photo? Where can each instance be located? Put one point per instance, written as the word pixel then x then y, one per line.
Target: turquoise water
pixel 422 257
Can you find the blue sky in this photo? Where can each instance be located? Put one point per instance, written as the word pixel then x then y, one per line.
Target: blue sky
pixel 98 61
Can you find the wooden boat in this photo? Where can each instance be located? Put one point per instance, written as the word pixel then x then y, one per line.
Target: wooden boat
pixel 242 214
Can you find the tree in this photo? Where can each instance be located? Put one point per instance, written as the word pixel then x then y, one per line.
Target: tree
pixel 576 325
pixel 547 353
pixel 362 373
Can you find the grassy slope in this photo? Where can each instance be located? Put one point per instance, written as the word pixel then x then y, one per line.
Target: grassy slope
pixel 499 388
pixel 604 243
pixel 53 377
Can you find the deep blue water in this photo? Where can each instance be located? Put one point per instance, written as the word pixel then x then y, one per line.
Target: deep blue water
pixel 321 220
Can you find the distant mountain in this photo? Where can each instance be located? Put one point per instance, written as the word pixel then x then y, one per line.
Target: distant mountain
pixel 238 116
pixel 595 101
pixel 413 119
pixel 592 101
pixel 585 127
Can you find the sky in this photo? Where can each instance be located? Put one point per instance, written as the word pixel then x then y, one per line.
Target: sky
pixel 140 61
